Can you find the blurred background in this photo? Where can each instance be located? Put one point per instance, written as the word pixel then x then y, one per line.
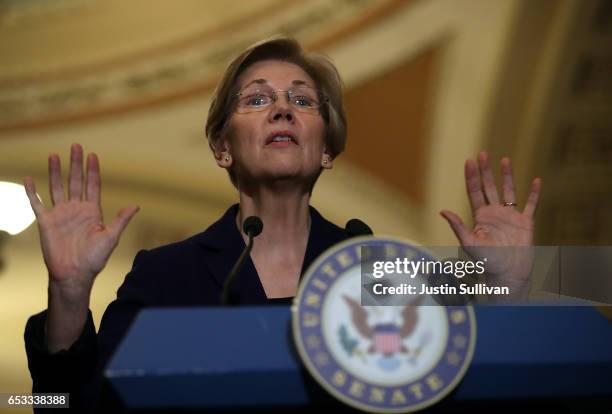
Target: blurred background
pixel 429 83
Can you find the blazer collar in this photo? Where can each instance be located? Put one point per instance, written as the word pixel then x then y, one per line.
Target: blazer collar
pixel 223 233
pixel 225 243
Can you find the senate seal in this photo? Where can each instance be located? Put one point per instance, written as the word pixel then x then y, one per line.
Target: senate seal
pixel 384 358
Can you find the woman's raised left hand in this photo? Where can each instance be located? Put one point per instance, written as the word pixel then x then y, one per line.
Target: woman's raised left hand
pixel 502 233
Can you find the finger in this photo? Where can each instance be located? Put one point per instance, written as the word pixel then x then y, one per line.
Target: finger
pixel 473 186
pixel 464 235
pixel 121 220
pixel 488 182
pixel 507 181
pixel 55 180
pixel 532 201
pixel 94 183
pixel 30 189
pixel 75 182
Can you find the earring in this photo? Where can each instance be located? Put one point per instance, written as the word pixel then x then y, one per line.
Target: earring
pixel 227 158
pixel 325 161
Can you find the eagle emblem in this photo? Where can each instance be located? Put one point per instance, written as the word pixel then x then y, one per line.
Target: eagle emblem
pixel 385 332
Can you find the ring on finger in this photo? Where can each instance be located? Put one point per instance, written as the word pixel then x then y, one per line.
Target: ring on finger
pixel 506 204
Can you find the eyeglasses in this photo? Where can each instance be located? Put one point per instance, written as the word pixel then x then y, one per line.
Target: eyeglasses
pixel 258 97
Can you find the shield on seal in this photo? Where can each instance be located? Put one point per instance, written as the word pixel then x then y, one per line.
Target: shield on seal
pixel 387 339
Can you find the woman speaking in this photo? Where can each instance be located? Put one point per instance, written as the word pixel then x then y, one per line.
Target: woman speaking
pixel 276 122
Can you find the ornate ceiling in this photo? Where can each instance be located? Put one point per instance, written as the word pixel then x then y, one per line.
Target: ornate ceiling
pixel 76 58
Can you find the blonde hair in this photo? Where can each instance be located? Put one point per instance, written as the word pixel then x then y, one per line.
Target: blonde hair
pixel 317 66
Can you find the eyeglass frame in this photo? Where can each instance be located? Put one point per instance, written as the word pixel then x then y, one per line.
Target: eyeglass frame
pixel 323 99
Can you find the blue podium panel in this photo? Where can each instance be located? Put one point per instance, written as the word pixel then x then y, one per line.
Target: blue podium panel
pixel 232 357
pixel 539 352
pixel 208 357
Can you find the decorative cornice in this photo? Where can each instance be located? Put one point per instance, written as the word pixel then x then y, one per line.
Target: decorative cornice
pixel 184 69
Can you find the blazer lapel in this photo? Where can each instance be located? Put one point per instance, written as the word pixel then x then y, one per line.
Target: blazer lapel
pixel 222 245
pixel 323 235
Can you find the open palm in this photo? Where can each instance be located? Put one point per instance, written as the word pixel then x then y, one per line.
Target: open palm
pixel 75 242
pixel 502 233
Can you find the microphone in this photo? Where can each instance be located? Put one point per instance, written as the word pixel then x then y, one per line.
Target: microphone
pixel 355 227
pixel 252 226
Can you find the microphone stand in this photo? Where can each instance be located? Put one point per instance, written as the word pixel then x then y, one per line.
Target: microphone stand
pixel 252 227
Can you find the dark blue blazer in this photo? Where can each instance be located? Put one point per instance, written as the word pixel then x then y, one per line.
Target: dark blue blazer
pixel 188 273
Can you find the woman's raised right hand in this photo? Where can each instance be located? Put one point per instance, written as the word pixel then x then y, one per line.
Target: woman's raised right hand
pixel 75 242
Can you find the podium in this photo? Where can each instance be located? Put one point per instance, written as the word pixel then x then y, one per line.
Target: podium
pixel 243 357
